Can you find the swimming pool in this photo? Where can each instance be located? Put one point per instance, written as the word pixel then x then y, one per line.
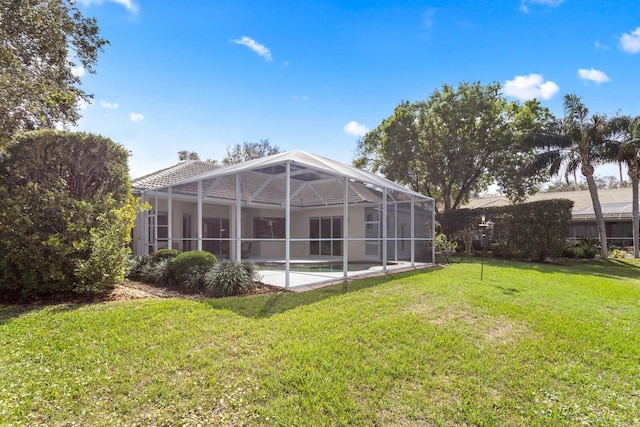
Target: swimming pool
pixel 329 267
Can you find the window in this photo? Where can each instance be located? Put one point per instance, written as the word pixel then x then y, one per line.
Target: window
pixel 372 232
pixel 269 228
pixel 326 236
pixel 160 239
pixel 215 233
pixel 186 232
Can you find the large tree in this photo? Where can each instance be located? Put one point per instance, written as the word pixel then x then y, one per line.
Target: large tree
pixel 577 142
pixel 623 146
pixel 66 213
pixel 43 45
pixel 249 151
pixel 455 144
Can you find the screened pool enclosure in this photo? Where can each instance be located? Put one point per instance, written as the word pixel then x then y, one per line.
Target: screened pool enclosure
pixel 289 211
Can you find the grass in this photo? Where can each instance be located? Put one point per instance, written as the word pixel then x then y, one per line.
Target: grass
pixel 531 344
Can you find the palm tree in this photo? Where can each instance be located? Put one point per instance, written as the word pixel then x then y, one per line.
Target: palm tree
pixel 623 146
pixel 576 141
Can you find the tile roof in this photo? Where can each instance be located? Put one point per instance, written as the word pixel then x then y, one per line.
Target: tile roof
pixel 172 175
pixel 315 181
pixel 615 201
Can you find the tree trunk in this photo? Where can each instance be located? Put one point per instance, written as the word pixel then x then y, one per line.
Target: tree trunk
pixel 636 214
pixel 597 210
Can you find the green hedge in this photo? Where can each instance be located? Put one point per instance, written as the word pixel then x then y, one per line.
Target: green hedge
pixel 66 213
pixel 534 231
pixel 186 261
pixel 161 254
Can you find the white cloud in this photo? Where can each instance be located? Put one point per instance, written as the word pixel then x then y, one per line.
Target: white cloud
pixel 108 105
pixel 630 43
pixel 130 5
pixel 136 117
pixel 258 48
pixel 83 105
pixel 78 71
pixel 356 129
pixel 524 5
pixel 600 46
pixel 300 98
pixel 596 76
pixel 529 87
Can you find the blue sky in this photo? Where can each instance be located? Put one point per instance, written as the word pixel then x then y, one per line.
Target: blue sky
pixel 203 75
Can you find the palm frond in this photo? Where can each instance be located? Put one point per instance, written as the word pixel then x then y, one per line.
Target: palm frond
pixel 546 141
pixel 574 109
pixel 634 128
pixel 547 160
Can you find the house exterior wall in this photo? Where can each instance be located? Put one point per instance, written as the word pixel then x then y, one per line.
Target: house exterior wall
pixel 185 214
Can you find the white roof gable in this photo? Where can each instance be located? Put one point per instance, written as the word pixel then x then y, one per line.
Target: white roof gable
pixel 303 160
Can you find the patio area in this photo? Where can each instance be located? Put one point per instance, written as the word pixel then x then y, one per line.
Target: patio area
pixel 305 276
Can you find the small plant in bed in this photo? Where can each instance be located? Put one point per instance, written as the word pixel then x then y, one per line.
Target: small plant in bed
pixel 230 278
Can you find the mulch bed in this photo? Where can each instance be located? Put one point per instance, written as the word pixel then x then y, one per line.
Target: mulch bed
pixel 138 290
pixel 129 290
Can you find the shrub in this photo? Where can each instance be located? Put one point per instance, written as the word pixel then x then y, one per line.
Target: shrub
pixel 184 262
pixel 617 253
pixel 587 252
pixel 161 254
pixel 228 279
pixel 106 263
pixel 587 248
pixel 533 230
pixel 252 270
pixel 162 273
pixel 445 246
pixel 194 280
pixel 138 267
pixel 66 212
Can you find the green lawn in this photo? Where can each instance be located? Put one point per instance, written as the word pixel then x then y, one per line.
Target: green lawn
pixel 530 345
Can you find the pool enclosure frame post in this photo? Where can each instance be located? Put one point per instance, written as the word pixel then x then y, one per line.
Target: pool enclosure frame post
pixel 287 216
pixel 384 229
pixel 413 231
pixel 238 226
pixel 200 197
pixel 169 219
pixel 345 229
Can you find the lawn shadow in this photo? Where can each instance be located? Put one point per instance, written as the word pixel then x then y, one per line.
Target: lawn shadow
pixel 11 311
pixel 507 291
pixel 609 268
pixel 263 306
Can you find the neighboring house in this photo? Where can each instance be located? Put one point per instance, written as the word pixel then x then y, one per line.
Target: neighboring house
pixel 285 207
pixel 616 208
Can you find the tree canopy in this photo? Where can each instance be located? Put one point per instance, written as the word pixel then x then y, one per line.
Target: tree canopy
pixel 185 155
pixel 456 143
pixel 249 151
pixel 41 44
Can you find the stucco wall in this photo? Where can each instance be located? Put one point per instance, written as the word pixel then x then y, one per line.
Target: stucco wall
pixel 300 229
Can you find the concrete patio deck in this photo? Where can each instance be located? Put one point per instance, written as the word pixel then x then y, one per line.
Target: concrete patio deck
pixel 305 281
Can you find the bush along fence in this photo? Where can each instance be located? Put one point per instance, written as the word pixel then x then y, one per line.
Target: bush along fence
pixel 533 231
